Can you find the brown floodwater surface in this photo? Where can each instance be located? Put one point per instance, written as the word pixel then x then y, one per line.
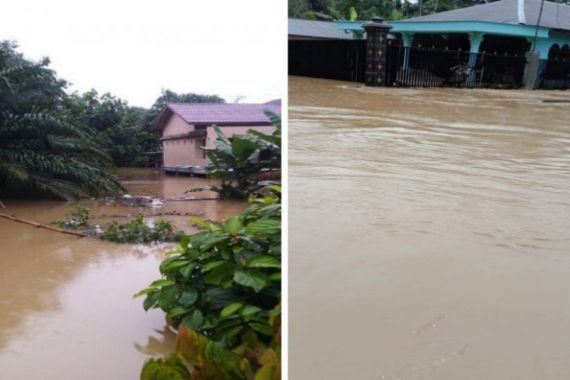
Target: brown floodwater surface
pixel 429 233
pixel 67 309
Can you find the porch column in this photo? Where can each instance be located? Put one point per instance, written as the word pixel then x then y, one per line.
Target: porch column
pixel 376 49
pixel 543 47
pixel 408 40
pixel 475 40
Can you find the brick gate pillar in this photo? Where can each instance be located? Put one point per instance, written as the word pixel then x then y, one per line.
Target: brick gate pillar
pixel 376 50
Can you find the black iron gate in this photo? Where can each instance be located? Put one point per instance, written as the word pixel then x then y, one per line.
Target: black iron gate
pixel 554 74
pixel 423 67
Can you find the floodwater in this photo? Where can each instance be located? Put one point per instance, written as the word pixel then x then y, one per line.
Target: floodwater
pixel 429 233
pixel 67 310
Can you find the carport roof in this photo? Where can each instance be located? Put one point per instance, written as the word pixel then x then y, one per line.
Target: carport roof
pixel 311 29
pixel 554 15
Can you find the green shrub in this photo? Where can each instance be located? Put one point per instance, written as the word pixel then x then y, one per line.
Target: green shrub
pixel 138 231
pixel 224 281
pixel 76 219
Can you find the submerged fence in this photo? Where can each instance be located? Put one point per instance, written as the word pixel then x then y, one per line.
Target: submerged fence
pixel 553 75
pixel 423 67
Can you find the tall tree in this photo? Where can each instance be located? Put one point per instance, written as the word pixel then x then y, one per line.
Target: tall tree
pixel 42 150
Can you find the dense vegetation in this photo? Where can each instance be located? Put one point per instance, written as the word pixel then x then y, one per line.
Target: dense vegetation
pixel 137 230
pixel 42 150
pixel 124 131
pixel 65 145
pixel 140 231
pixel 366 9
pixel 221 288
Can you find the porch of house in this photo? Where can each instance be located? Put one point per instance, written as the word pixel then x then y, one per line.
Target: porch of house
pixel 474 54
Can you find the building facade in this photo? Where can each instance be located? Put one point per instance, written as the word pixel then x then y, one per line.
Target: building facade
pixel 189 127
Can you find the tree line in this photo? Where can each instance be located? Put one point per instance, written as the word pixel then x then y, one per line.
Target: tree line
pixel 367 9
pixel 65 145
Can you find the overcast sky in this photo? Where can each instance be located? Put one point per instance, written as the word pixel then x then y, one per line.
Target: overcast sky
pixel 135 48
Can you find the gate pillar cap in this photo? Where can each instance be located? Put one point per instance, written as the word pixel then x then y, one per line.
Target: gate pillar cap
pixel 377 22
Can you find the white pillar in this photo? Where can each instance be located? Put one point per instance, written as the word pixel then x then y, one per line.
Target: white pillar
pixel 407 39
pixel 475 40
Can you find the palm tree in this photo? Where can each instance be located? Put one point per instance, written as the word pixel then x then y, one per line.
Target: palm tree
pixel 42 152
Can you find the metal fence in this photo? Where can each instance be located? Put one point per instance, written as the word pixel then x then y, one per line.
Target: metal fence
pixel 423 67
pixel 330 59
pixel 553 74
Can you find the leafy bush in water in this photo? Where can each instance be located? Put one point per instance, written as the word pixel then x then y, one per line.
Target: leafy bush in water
pixel 222 289
pixel 76 219
pixel 224 281
pixel 138 231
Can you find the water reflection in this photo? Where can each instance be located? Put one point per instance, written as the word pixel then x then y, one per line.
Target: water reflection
pixel 158 344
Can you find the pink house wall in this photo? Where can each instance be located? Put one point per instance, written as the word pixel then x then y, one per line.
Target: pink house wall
pixel 230 131
pixel 179 151
pixel 175 126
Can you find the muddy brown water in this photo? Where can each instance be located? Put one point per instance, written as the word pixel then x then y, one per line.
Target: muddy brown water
pixel 67 310
pixel 429 233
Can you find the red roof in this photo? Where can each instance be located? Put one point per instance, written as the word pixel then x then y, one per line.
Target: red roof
pixel 219 114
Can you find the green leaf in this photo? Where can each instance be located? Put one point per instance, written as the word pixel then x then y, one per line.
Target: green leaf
pixel 187 270
pixel 145 291
pixel 233 225
pixel 230 309
pixel 212 265
pixel 175 264
pixel 162 283
pixel 188 297
pixel 231 332
pixel 252 279
pixel 177 311
pixel 242 148
pixel 275 277
pixel 150 302
pixel 261 328
pixel 220 274
pixel 264 262
pixel 263 227
pixel 184 243
pixel 218 298
pixel 248 311
pixel 212 242
pixel 200 222
pixel 166 297
pixel 197 319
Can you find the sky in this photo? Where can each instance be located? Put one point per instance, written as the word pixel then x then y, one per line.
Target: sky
pixel 134 49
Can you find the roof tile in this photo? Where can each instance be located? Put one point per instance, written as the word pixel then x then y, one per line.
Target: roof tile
pixel 214 113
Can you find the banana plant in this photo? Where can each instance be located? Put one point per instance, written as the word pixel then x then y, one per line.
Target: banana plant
pixel 239 162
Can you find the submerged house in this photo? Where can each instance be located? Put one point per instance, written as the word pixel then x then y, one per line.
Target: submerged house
pixel 188 127
pixel 491 44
